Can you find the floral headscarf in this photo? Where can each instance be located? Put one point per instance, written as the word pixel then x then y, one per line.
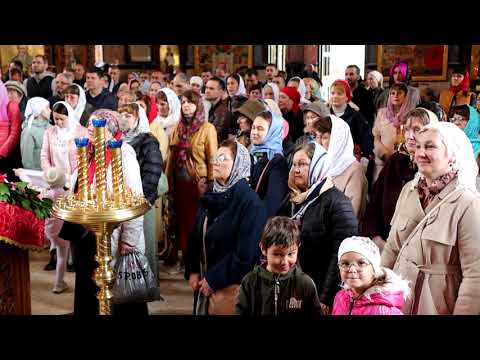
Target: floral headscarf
pixel 240 169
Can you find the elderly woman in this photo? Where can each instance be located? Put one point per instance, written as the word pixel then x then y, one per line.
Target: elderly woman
pixel 299 84
pixel 313 90
pixel 398 170
pixel 346 172
pixel 375 87
pixel 458 93
pixel 189 170
pixel 75 97
pixel 288 102
pixel 325 217
pixel 386 130
pixel 196 84
pixel 224 244
pixel 433 242
pixel 17 93
pixel 269 169
pixel 400 73
pixel 134 123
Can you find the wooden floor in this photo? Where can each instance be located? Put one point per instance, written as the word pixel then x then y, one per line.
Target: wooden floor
pixel 174 289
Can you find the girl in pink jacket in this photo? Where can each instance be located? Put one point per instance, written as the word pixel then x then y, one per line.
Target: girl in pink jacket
pixel 368 289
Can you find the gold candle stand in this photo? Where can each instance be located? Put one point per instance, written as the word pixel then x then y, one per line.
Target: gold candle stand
pixel 102 211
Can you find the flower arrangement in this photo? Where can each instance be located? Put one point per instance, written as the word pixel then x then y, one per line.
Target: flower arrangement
pixel 19 194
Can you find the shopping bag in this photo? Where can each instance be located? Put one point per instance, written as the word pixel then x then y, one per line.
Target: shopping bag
pixel 135 281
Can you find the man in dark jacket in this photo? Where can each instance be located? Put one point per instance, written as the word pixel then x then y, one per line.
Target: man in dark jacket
pixel 360 96
pixel 218 114
pixel 79 73
pixel 40 84
pixel 97 95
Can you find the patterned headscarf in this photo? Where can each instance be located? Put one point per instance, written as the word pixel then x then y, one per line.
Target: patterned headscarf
pixel 408 104
pixel 113 121
pixel 240 169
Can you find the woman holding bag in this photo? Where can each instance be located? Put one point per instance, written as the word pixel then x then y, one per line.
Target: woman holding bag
pixel 224 244
pixel 434 239
pixel 189 170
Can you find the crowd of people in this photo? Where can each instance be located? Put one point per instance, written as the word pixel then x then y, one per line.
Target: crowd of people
pixel 269 199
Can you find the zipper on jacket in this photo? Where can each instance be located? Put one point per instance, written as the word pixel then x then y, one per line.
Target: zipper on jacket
pixel 350 308
pixel 276 292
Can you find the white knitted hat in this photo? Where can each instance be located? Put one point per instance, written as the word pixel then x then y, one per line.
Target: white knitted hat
pixel 363 246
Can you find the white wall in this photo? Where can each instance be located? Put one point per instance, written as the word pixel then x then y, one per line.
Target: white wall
pixel 340 57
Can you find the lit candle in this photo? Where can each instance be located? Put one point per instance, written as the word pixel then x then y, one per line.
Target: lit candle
pixel 117 173
pixel 82 144
pixel 100 171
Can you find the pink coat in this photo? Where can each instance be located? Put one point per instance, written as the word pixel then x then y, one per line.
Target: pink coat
pixel 10 130
pixel 50 156
pixel 384 299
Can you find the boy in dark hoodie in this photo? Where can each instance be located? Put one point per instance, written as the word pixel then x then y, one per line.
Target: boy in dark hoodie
pixel 278 287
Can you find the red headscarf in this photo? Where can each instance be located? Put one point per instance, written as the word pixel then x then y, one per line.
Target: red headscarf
pixel 346 87
pixel 153 109
pixel 294 95
pixel 463 86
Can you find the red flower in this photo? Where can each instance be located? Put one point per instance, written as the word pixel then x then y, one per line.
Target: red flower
pixel 3 177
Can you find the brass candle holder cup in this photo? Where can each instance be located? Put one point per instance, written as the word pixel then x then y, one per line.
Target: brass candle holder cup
pixel 99 209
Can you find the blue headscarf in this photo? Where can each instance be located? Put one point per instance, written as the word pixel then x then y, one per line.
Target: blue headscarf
pixel 472 129
pixel 273 141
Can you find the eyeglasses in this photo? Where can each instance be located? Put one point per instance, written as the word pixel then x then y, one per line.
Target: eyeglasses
pixel 360 266
pixel 457 117
pixel 300 165
pixel 220 159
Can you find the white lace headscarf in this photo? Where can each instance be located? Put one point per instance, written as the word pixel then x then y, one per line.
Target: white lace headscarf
pixel 460 150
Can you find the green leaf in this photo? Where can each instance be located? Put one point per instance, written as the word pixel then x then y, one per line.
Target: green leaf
pixel 25 204
pixel 4 189
pixel 21 185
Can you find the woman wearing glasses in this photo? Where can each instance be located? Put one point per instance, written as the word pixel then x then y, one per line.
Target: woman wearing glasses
pixel 224 244
pixel 467 119
pixel 189 170
pixel 368 288
pixel 325 217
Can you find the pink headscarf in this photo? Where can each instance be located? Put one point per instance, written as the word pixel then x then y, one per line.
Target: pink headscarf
pixel 403 66
pixel 407 105
pixel 4 100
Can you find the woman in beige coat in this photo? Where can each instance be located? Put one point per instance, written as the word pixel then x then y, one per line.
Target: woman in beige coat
pixel 434 241
pixel 342 167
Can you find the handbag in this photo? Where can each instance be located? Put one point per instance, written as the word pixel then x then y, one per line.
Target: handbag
pixel 222 301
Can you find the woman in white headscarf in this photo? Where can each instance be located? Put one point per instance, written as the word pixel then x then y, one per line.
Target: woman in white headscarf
pixel 37 116
pixel 313 196
pixel 271 91
pixel 299 84
pixel 346 172
pixel 75 97
pixel 168 109
pixel 434 239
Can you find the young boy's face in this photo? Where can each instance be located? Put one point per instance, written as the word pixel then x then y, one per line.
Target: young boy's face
pixel 280 259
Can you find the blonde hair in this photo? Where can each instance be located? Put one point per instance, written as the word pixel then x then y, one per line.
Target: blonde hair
pixel 339 88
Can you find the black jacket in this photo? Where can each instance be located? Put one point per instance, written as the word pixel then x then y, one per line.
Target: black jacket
pixel 150 160
pixel 105 100
pixel 274 185
pixel 87 112
pixel 41 89
pixel 295 124
pixel 221 118
pixel 364 100
pixel 360 129
pixel 80 82
pixel 326 223
pixel 265 293
pixel 236 219
pixel 233 103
